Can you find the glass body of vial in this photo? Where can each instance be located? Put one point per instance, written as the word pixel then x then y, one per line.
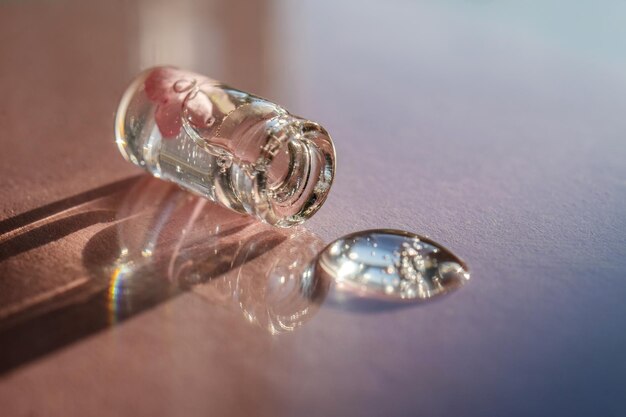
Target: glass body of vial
pixel 234 148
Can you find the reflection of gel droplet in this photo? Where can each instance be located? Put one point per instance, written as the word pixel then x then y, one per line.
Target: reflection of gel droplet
pixel 403 266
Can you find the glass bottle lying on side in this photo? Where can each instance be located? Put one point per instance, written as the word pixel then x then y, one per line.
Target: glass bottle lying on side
pixel 239 150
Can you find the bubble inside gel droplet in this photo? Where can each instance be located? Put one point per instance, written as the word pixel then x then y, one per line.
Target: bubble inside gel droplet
pixel 402 266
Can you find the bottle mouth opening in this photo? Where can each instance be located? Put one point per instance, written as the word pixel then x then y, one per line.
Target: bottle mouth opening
pixel 300 175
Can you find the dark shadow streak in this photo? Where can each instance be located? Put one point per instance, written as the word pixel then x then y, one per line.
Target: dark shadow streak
pixel 44 334
pixel 163 243
pixel 50 232
pixel 42 212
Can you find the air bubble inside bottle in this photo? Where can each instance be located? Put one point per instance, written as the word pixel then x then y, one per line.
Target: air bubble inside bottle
pixel 236 149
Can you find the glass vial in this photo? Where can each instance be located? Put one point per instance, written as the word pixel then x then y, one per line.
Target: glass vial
pixel 236 149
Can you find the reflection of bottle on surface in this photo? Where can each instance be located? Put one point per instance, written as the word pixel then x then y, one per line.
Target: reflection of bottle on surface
pixel 276 291
pixel 231 147
pixel 166 241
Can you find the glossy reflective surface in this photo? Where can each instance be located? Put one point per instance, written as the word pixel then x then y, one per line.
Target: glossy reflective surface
pixel 497 128
pixel 391 263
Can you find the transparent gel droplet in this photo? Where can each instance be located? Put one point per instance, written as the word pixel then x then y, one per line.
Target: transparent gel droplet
pixel 392 264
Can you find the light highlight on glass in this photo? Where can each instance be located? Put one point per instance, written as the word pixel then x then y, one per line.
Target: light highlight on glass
pixel 231 147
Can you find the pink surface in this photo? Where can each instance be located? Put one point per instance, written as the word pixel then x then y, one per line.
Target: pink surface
pixel 495 129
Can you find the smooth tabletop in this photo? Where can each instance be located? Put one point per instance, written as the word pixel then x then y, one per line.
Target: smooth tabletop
pixel 494 128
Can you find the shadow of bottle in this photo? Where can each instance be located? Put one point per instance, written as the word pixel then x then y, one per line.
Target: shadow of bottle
pixel 160 242
pixel 168 241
